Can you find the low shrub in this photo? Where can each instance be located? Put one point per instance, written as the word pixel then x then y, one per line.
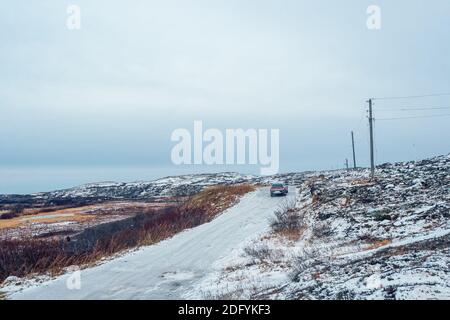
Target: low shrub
pixel 9 215
pixel 322 230
pixel 14 212
pixel 287 218
pixel 259 252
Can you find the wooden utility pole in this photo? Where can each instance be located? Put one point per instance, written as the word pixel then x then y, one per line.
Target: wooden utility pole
pixel 346 163
pixel 353 147
pixel 372 160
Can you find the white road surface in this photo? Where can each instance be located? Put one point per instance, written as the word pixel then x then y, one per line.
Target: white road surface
pixel 172 267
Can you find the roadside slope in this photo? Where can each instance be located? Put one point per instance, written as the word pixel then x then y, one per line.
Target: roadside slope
pixel 350 237
pixel 170 268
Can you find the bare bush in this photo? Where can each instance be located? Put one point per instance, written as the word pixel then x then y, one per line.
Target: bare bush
pixel 310 263
pixel 346 295
pixel 322 230
pixel 14 212
pixel 9 215
pixel 287 218
pixel 305 262
pixel 260 252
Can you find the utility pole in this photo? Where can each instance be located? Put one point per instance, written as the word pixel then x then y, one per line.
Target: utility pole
pixel 372 161
pixel 353 147
pixel 346 163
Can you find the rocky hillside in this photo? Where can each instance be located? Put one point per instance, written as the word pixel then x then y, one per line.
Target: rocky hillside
pixel 350 237
pixel 176 186
pixel 146 190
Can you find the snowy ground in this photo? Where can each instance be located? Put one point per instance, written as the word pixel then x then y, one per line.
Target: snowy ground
pixel 357 239
pixel 170 269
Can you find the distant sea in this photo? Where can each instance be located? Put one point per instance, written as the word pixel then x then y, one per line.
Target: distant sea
pixel 32 179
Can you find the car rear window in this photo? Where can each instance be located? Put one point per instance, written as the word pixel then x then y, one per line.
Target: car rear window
pixel 277 185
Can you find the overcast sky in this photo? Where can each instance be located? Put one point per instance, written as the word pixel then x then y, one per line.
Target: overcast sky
pixel 111 93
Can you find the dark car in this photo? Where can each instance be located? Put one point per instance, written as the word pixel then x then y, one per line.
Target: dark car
pixel 278 189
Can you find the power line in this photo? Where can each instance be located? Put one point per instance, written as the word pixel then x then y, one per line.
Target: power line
pixel 419 108
pixel 416 117
pixel 412 108
pixel 413 97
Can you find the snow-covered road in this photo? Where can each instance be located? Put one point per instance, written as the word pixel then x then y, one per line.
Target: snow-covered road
pixel 172 267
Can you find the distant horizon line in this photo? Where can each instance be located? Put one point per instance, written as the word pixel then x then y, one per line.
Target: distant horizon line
pixel 24 183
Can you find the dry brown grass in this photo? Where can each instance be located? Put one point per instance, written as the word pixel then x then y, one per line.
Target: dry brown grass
pixel 292 234
pixel 346 202
pixel 216 199
pixel 31 256
pixel 288 220
pixel 363 182
pixel 52 218
pixel 58 218
pixel 10 223
pixel 104 207
pixel 316 275
pixel 315 199
pixel 378 244
pixel 77 214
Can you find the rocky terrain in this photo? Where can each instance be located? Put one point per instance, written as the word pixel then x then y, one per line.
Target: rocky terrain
pixel 69 211
pixel 146 190
pixel 176 186
pixel 169 189
pixel 345 236
pixel 350 237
